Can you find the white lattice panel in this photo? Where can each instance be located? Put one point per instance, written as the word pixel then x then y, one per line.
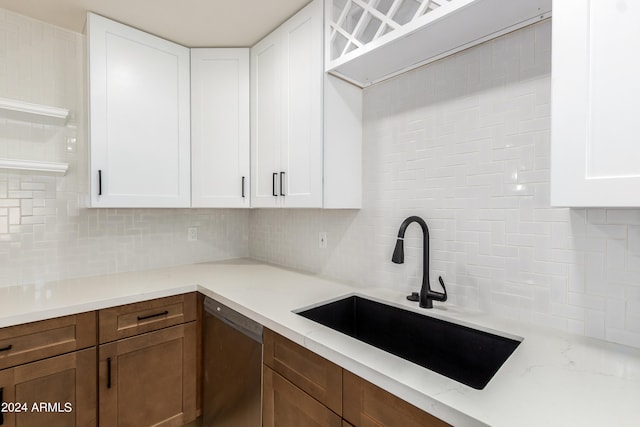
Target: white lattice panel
pixel 355 23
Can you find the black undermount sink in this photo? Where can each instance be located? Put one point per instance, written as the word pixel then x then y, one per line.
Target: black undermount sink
pixel 467 355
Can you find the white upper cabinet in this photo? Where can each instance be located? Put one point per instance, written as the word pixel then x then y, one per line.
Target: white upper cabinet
pixel 306 127
pixel 220 128
pixel 287 117
pixel 139 118
pixel 266 118
pixel 595 104
pixel 372 40
pixel 301 143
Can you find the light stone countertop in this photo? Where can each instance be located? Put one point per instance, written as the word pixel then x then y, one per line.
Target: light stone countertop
pixel 552 379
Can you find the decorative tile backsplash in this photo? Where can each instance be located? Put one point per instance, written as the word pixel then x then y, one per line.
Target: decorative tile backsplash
pixel 464 143
pixel 46 231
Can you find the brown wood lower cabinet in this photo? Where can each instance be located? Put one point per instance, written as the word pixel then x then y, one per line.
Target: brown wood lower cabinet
pixel 55 392
pixel 285 405
pixel 300 387
pixel 314 374
pixel 149 379
pixel 149 366
pixel 368 405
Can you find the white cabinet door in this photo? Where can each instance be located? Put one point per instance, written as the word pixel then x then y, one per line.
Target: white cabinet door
pixel 139 118
pixel 595 104
pixel 220 128
pixel 286 141
pixel 266 118
pixel 301 144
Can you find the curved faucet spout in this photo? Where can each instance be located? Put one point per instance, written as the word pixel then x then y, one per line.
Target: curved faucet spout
pixel 427 296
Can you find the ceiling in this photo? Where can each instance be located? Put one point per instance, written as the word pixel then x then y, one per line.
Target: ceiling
pixel 193 23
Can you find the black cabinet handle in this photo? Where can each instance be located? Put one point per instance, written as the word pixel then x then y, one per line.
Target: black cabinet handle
pixel 281 183
pixel 273 184
pixel 164 313
pixel 1 402
pixel 243 187
pixel 108 372
pixel 7 348
pixel 99 182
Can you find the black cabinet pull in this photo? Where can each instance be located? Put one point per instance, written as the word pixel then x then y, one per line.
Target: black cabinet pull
pixel 273 184
pixel 7 348
pixel 243 187
pixel 108 372
pixel 281 183
pixel 164 313
pixel 1 402
pixel 99 182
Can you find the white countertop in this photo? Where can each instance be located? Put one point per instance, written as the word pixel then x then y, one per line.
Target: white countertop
pixel 552 379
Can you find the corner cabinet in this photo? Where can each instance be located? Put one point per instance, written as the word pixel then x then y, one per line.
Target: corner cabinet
pixel 595 104
pixel 139 118
pixel 220 128
pixel 305 126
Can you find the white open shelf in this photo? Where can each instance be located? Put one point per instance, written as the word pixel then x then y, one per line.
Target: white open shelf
pixel 33 112
pixel 368 41
pixel 34 166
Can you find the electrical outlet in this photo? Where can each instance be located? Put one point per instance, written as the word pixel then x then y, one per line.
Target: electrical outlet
pixel 322 240
pixel 192 234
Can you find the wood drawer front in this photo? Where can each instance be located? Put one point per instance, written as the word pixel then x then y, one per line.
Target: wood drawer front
pixel 285 405
pixel 133 319
pixel 314 374
pixel 368 405
pixel 38 340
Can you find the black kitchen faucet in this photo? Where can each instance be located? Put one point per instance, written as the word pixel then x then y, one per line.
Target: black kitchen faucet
pixel 426 296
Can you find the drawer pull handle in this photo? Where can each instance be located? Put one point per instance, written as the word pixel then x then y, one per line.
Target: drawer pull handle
pixel 99 182
pixel 7 348
pixel 164 313
pixel 108 372
pixel 243 187
pixel 281 183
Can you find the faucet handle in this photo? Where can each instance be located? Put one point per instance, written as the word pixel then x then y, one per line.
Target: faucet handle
pixel 439 296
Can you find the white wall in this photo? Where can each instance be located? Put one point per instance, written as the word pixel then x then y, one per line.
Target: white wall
pixel 464 143
pixel 46 233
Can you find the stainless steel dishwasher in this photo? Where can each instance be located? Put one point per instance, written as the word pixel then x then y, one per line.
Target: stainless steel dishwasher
pixel 232 389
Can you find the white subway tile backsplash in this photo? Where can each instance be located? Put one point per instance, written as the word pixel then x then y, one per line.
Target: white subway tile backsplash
pixel 633 242
pixel 465 143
